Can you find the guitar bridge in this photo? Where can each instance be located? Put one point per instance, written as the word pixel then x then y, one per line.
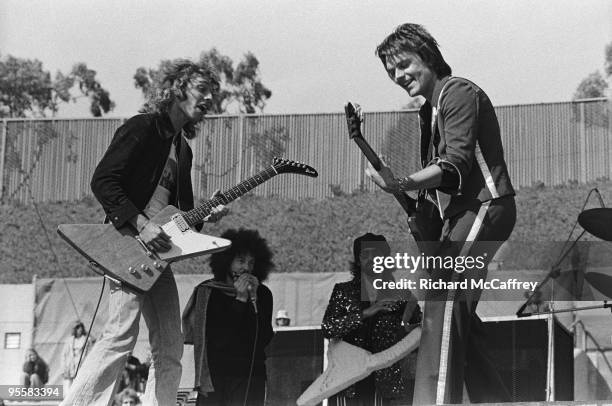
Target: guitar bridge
pixel 180 222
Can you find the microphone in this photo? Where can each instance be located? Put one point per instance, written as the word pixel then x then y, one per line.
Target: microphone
pixel 253 298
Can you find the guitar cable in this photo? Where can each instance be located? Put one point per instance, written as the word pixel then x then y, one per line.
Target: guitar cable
pixel 56 258
pixel 90 326
pixel 246 393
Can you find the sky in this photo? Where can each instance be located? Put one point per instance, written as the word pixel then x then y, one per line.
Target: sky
pixel 316 54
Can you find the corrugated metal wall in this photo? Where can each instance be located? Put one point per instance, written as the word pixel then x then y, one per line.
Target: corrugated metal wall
pixel 552 143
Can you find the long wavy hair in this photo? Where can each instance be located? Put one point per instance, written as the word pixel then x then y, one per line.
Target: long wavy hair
pixel 243 242
pixel 414 38
pixel 173 83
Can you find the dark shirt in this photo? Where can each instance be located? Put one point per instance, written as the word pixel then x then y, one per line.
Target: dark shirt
pixel 230 333
pixel 132 166
pixel 38 367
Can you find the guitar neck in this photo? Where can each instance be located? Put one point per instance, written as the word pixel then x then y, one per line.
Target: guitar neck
pixel 369 153
pixel 407 203
pixel 197 215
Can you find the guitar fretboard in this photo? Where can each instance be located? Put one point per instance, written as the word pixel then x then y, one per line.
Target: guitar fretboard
pixel 197 215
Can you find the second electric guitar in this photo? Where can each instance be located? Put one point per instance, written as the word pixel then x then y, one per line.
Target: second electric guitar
pixel 423 218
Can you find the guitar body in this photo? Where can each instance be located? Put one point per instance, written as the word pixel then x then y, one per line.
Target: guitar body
pixel 425 223
pixel 348 364
pixel 122 257
pixel 186 243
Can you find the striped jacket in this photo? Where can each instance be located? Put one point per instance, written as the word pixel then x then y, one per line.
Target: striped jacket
pixel 466 145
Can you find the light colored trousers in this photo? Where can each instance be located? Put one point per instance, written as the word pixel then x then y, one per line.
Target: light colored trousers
pixel 95 383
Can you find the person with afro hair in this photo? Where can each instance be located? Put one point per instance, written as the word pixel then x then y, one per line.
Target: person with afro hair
pixel 228 319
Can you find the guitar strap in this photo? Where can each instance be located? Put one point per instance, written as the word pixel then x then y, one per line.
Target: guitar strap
pixel 442 199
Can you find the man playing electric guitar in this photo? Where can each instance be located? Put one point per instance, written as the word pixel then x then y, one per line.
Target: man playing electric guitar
pixel 465 170
pixel 147 167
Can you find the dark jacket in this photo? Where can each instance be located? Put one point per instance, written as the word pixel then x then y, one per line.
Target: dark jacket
pixel 230 325
pixel 468 144
pixel 38 367
pixel 129 171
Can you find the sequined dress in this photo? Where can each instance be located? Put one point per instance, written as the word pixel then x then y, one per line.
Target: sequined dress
pixel 343 320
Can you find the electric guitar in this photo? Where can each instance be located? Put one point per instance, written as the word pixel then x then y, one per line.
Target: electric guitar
pixel 348 364
pixel 424 220
pixel 122 256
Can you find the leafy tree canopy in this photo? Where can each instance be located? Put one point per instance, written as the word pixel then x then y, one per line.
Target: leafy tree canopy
pixel 596 84
pixel 27 89
pixel 592 86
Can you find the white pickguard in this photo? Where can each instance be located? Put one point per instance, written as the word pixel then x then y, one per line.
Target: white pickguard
pixel 190 243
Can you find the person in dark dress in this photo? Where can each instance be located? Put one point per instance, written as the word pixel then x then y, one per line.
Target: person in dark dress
pixel 372 323
pixel 228 319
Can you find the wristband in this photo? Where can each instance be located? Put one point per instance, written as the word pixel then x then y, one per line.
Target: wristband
pixel 404 184
pixel 143 226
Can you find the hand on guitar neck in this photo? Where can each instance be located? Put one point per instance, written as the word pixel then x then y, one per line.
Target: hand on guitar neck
pixel 217 212
pixel 426 178
pixel 424 221
pixel 383 177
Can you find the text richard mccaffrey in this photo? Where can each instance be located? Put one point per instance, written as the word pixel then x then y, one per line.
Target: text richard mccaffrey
pixel 458 264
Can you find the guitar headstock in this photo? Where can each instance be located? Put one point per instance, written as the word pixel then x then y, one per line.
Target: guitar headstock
pixel 354 119
pixel 282 165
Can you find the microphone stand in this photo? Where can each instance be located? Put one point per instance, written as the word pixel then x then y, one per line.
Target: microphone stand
pixel 605 305
pixel 555 271
pixel 553 274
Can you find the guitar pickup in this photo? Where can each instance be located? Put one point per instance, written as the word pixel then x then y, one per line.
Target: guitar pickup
pixel 180 222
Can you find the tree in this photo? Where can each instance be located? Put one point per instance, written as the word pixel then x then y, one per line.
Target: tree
pixel 591 87
pixel 27 90
pixel 241 87
pixel 89 87
pixel 596 84
pixel 608 62
pixel 25 87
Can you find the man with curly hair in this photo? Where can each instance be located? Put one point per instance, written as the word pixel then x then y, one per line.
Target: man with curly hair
pixel 147 167
pixel 228 319
pixel 465 174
